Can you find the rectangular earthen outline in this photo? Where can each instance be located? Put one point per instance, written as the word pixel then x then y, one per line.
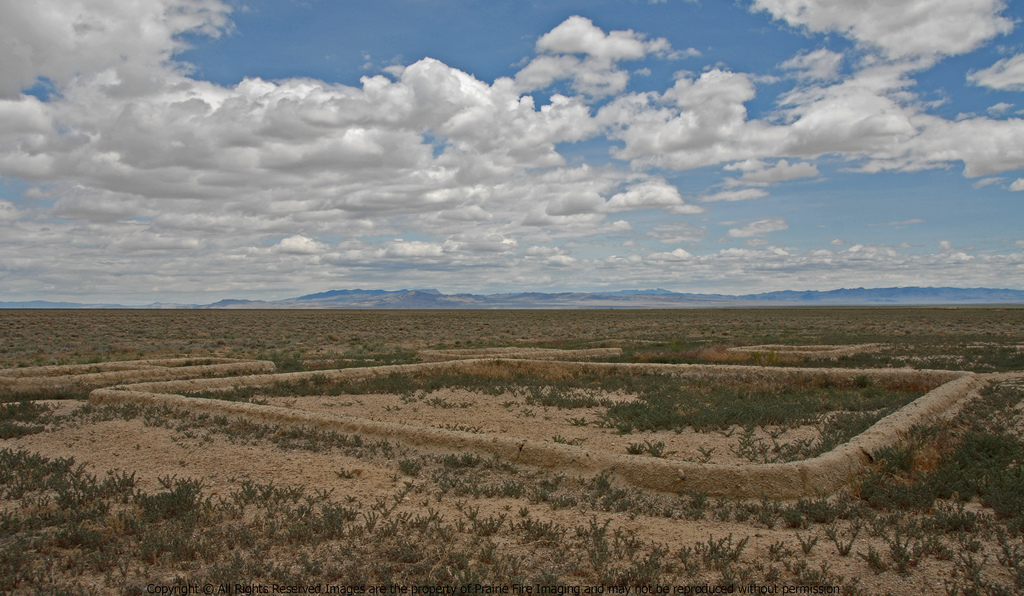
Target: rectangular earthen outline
pixel 827 473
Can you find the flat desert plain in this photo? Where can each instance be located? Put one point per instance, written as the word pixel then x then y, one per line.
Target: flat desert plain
pixel 852 451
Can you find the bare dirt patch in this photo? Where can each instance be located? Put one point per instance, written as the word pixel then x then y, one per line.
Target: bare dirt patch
pixel 154 452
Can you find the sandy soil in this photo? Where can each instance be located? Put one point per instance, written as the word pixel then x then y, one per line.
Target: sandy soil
pixel 155 452
pixel 510 415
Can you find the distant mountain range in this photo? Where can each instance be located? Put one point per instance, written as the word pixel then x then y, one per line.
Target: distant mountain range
pixel 657 298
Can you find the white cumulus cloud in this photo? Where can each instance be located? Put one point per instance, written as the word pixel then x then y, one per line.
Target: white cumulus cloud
pixel 579 35
pixel 902 29
pixel 1005 75
pixel 757 171
pixel 8 212
pixel 744 194
pixel 64 39
pixel 138 169
pixel 300 245
pixel 597 74
pixel 759 228
pixel 650 195
pixel 820 65
pixel 413 250
pixel 676 255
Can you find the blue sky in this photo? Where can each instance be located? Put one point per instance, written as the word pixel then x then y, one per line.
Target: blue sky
pixel 193 150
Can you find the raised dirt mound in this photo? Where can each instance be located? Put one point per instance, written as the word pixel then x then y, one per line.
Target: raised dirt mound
pixel 813 351
pixel 24 380
pixel 525 353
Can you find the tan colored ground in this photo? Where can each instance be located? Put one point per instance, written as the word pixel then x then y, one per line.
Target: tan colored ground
pixel 158 452
pixel 510 415
pixel 155 452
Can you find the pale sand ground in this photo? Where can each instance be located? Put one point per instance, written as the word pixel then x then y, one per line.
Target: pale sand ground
pixel 158 452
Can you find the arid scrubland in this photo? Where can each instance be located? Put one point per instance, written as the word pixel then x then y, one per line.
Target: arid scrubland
pixel 979 339
pixel 272 485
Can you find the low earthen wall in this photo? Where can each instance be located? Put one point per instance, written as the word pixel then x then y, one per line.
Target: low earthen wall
pixel 828 472
pixel 18 380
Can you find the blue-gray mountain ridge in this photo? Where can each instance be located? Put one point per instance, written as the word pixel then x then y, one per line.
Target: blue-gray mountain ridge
pixel 656 298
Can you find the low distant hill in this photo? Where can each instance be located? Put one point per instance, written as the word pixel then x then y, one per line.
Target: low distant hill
pixel 657 298
pixel 909 295
pixel 47 304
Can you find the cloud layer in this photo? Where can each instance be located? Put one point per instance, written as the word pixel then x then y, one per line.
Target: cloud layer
pixel 144 179
pixel 905 29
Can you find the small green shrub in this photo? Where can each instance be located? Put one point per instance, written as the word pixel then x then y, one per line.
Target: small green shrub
pixel 410 467
pixel 182 500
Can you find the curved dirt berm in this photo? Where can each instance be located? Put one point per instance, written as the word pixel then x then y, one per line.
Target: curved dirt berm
pixel 116 365
pixel 811 351
pixel 552 370
pixel 828 472
pixel 519 353
pixel 16 380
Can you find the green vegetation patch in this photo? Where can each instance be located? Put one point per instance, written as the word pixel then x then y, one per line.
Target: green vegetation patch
pixel 22 418
pixel 980 455
pixel 719 405
pixel 72 391
pixel 357 357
